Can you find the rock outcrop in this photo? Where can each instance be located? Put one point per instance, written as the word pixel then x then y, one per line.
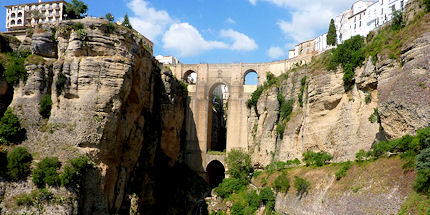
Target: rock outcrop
pixel 114 103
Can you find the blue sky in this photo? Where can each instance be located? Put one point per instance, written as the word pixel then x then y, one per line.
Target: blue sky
pixel 220 31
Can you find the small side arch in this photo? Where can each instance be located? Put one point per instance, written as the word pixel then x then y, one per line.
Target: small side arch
pixel 250 77
pixel 215 173
pixel 190 77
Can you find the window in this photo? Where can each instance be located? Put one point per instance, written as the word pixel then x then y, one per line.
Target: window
pixel 50 19
pixel 12 15
pixel 13 22
pixel 19 14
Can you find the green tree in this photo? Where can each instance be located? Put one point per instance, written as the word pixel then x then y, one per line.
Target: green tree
pixel 239 166
pixel 10 128
pixel 423 160
pixel 126 22
pixel 331 35
pixel 45 106
pixel 76 9
pixel 422 182
pixel 73 172
pixel 19 163
pixel 281 184
pixel 267 197
pixel 110 17
pixel 301 185
pixel 47 172
pixel 397 21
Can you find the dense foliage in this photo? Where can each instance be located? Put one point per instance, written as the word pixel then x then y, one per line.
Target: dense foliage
pixel 279 165
pixel 110 17
pixel 10 128
pixel 302 89
pixel 229 186
pixel 46 172
pixel 397 21
pixel 76 10
pixel 281 183
pixel 285 110
pixel 349 55
pixel 301 185
pixel 45 106
pixel 14 69
pixel 239 165
pixel 73 172
pixel 331 35
pixel 60 83
pixel 19 163
pixel 311 158
pixel 267 198
pixel 342 171
pixel 126 23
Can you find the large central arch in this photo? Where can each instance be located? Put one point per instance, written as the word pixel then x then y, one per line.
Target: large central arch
pixel 198 119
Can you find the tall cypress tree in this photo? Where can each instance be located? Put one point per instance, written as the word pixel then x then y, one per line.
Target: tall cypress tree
pixel 126 22
pixel 331 35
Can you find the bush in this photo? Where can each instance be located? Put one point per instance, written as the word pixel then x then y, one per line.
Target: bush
pixel 45 106
pixel 237 209
pixel 19 163
pixel 110 17
pixel 267 197
pixel 46 172
pixel 78 26
pixel 349 55
pixel 302 89
pixel 368 98
pixel 319 159
pixel 252 102
pixel 82 34
pixel 280 128
pixel 253 200
pixel 15 69
pixel 301 185
pixel 239 166
pixel 24 200
pixel 60 83
pixel 281 184
pixel 110 27
pixel 73 172
pixel 397 21
pixel 375 116
pixel 362 155
pixel 10 128
pixel 422 182
pixel 342 171
pixel 228 186
pixel 423 160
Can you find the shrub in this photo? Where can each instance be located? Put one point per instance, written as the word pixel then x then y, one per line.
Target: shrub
pixel 397 21
pixel 361 155
pixel 375 116
pixel 237 209
pixel 239 166
pixel 368 98
pixel 349 55
pixel 46 172
pixel 311 158
pixel 423 160
pixel 45 106
pixel 252 102
pixel 281 184
pixel 253 200
pixel 10 128
pixel 110 17
pixel 78 26
pixel 73 172
pixel 15 69
pixel 280 128
pixel 19 163
pixel 228 186
pixel 302 89
pixel 24 200
pixel 286 107
pixel 60 83
pixel 301 185
pixel 267 197
pixel 342 171
pixel 110 27
pixel 82 34
pixel 422 182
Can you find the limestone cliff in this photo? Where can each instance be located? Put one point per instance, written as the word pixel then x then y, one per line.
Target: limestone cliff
pixel 114 103
pixel 337 121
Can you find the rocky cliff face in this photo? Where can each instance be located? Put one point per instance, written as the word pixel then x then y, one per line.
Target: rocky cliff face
pixel 338 122
pixel 113 103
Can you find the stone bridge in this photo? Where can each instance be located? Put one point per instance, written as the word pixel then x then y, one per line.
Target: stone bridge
pixel 198 116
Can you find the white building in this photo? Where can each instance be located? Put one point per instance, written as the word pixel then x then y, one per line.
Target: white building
pixel 22 16
pixel 362 18
pixel 168 60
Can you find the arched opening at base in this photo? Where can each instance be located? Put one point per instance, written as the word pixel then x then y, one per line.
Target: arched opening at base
pixel 215 173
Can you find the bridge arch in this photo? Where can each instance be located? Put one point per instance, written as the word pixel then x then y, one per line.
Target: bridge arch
pixel 251 77
pixel 215 173
pixel 190 77
pixel 218 97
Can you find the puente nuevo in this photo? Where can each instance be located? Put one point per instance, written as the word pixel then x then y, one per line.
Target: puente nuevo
pixel 198 117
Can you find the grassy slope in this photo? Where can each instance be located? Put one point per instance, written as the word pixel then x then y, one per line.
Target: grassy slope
pixel 373 177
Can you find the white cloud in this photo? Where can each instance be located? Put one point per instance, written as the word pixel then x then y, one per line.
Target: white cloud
pixel 241 42
pixel 148 21
pixel 230 21
pixel 253 2
pixel 309 18
pixel 275 52
pixel 186 41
